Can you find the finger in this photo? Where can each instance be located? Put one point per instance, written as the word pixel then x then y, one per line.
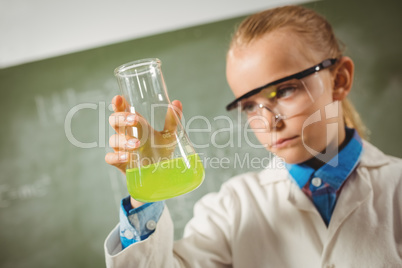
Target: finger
pixel 173 115
pixel 119 104
pixel 123 143
pixel 117 159
pixel 138 128
pixel 132 125
pixel 120 120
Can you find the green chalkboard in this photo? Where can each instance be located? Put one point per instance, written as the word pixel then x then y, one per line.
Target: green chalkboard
pixel 59 199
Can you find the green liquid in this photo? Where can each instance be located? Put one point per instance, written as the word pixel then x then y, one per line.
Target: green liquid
pixel 165 179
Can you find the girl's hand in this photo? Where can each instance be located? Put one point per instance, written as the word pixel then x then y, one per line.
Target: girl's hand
pixel 124 142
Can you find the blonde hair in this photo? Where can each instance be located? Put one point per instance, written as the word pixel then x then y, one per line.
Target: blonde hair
pixel 316 31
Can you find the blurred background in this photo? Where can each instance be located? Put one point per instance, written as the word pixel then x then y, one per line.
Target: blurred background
pixel 58 198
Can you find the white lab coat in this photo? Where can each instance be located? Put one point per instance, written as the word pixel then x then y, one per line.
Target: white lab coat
pixel 265 220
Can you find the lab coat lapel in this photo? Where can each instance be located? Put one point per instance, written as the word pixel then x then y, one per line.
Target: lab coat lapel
pixel 300 200
pixel 357 188
pixel 356 192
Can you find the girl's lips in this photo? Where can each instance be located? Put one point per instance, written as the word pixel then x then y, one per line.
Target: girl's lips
pixel 283 142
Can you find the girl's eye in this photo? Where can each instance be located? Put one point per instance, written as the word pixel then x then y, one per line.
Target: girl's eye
pixel 286 92
pixel 249 108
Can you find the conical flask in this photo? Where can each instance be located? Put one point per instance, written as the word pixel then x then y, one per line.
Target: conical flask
pixel 166 164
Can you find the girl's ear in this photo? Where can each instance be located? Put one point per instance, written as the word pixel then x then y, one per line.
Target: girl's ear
pixel 343 78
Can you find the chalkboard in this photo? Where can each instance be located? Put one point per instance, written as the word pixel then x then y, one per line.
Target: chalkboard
pixel 59 199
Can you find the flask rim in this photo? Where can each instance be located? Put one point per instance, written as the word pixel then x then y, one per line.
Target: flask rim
pixel 122 69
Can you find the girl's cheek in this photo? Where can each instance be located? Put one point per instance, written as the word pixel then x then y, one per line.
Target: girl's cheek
pixel 259 123
pixel 264 139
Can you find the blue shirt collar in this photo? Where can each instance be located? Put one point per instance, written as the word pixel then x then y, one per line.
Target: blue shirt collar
pixel 333 174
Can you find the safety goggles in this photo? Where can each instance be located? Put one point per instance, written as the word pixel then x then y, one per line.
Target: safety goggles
pixel 285 97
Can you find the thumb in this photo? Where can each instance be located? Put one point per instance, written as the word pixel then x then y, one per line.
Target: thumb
pixel 173 116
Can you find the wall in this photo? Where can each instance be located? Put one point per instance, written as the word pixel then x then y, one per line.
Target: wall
pixel 35 30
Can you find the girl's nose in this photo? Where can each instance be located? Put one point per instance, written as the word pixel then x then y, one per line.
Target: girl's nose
pixel 276 121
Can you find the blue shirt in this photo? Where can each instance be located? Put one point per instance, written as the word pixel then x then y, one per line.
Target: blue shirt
pixel 138 223
pixel 324 184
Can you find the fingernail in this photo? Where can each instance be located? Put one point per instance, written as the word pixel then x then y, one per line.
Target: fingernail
pixel 133 143
pixel 130 119
pixel 123 157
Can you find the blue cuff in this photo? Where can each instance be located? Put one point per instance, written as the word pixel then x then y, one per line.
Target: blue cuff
pixel 138 223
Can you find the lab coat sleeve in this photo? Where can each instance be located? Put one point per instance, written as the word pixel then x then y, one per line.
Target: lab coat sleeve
pixel 206 241
pixel 155 251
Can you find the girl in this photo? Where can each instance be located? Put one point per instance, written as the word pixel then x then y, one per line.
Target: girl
pixel 334 203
